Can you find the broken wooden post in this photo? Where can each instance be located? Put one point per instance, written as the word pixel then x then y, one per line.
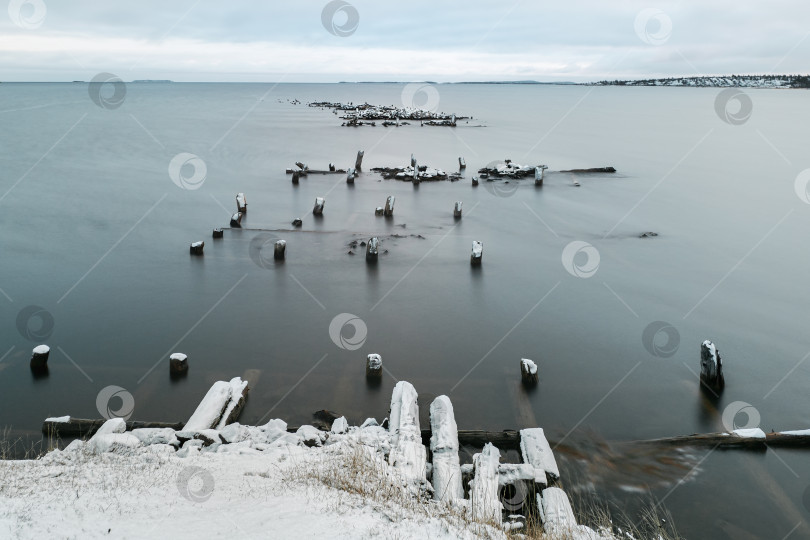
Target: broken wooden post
pixel 178 363
pixel 461 163
pixel 389 206
pixel 241 203
pixel 374 366
pixel 295 177
pixel 378 211
pixel 528 372
pixel 350 176
pixel 297 222
pixel 711 366
pixel 318 208
pixel 408 455
pixel 537 452
pixel 484 503
pixel 477 253
pixel 446 478
pixel 278 249
pixel 196 248
pixel 457 210
pixel 236 220
pixel 358 163
pixel 217 233
pixel 372 249
pixel 221 406
pixel 539 174
pixel 39 357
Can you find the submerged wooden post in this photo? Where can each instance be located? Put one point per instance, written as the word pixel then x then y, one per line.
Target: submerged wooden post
pixel 39 357
pixel 278 249
pixel 241 203
pixel 528 372
pixel 711 366
pixel 331 167
pixel 457 210
pixel 378 211
pixel 374 366
pixel 358 163
pixel 295 177
pixel 477 253
pixel 178 363
pixel 539 174
pixel 350 176
pixel 389 206
pixel 236 220
pixel 474 181
pixel 196 248
pixel 461 163
pixel 318 208
pixel 217 233
pixel 372 249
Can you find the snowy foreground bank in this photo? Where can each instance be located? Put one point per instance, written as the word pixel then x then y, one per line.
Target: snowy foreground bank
pixel 245 481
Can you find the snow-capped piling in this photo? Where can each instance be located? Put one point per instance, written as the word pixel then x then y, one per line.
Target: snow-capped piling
pixel 217 233
pixel 408 455
pixel 221 406
pixel 39 357
pixel 196 248
pixel 446 478
pixel 711 366
pixel 461 163
pixel 297 222
pixel 477 253
pixel 537 452
pixel 539 174
pixel 475 181
pixel 350 176
pixel 484 503
pixel 358 162
pixel 236 220
pixel 241 203
pixel 374 366
pixel 457 210
pixel 413 161
pixel 295 176
pixel 372 249
pixel 378 211
pixel 389 206
pixel 528 371
pixel 178 364
pixel 279 249
pixel 318 208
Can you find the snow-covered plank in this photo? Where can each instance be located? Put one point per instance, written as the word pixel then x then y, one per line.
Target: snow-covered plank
pixel 408 454
pixel 220 406
pixel 536 451
pixel 484 502
pixel 446 477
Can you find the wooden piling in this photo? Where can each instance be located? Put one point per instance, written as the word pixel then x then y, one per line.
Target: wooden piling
pixel 178 363
pixel 358 163
pixel 457 210
pixel 461 163
pixel 196 248
pixel 278 249
pixel 378 211
pixel 295 175
pixel 217 233
pixel 374 366
pixel 711 366
pixel 241 203
pixel 475 181
pixel 236 220
pixel 372 249
pixel 389 206
pixel 539 174
pixel 477 253
pixel 350 176
pixel 528 372
pixel 318 208
pixel 297 222
pixel 39 357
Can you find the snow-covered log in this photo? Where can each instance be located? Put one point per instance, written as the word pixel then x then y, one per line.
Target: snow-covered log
pixel 318 208
pixel 536 452
pixel 221 406
pixel 389 206
pixel 39 357
pixel 241 203
pixel 408 454
pixel 528 371
pixel 236 220
pixel 457 210
pixel 711 366
pixel 374 366
pixel 477 252
pixel 279 249
pixel 372 249
pixel 358 163
pixel 484 502
pixel 446 476
pixel 196 248
pixel 178 363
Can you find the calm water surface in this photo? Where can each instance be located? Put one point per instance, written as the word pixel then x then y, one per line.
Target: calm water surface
pixel 96 233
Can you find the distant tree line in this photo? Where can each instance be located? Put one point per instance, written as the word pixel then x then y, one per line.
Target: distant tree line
pixel 792 81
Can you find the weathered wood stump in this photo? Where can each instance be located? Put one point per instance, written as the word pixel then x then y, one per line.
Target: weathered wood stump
pixel 358 163
pixel 457 210
pixel 372 249
pixel 279 249
pixel 378 211
pixel 196 248
pixel 374 366
pixel 217 233
pixel 461 163
pixel 389 206
pixel 318 208
pixel 241 203
pixel 528 372
pixel 39 357
pixel 236 220
pixel 350 176
pixel 297 222
pixel 178 363
pixel 295 176
pixel 477 253
pixel 711 366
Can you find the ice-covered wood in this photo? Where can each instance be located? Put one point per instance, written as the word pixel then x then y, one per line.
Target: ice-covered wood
pixel 318 208
pixel 556 512
pixel 196 248
pixel 374 366
pixel 241 203
pixel 457 209
pixel 446 477
pixel 528 371
pixel 220 406
pixel 484 502
pixel 477 252
pixel 236 220
pixel 279 249
pixel 407 455
pixel 711 366
pixel 536 452
pixel 389 206
pixel 372 249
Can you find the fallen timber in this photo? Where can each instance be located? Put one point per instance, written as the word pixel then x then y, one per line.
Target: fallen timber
pixel 593 170
pixel 83 427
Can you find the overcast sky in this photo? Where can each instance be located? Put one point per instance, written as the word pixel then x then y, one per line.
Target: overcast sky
pixel 577 40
